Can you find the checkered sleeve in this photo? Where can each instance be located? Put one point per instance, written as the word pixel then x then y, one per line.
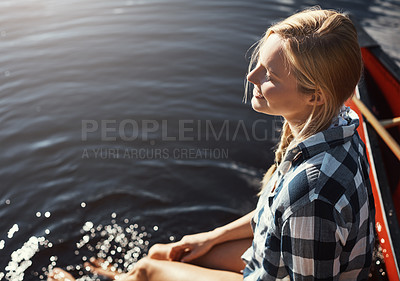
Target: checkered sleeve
pixel 311 242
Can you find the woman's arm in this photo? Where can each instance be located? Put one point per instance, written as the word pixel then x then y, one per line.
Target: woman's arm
pixel 238 229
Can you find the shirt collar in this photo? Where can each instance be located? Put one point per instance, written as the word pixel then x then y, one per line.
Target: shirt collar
pixel 342 130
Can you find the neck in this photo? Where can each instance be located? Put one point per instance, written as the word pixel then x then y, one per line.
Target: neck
pixel 294 127
pixel 296 123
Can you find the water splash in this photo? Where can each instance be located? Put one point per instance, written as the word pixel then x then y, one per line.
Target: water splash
pixel 21 258
pixel 12 231
pixel 120 247
pixel 2 244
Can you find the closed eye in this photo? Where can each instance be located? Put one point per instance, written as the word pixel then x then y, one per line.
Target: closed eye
pixel 269 77
pixel 269 74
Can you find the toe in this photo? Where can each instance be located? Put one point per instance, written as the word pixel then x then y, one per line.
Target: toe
pixel 99 270
pixel 101 263
pixel 59 274
pixel 96 261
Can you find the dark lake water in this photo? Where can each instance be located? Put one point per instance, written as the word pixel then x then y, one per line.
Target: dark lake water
pixel 122 122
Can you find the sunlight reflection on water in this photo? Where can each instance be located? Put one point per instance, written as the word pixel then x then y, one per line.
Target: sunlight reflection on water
pixel 119 246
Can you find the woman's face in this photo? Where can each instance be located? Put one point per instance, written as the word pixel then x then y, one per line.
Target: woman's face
pixel 275 91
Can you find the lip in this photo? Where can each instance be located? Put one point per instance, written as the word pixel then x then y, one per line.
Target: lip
pixel 257 94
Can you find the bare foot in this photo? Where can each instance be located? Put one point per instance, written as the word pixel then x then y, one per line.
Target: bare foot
pixel 102 267
pixel 59 274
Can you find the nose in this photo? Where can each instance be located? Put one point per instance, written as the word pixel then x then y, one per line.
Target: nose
pixel 253 76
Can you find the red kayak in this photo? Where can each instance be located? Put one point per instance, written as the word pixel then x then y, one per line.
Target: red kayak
pixel 379 93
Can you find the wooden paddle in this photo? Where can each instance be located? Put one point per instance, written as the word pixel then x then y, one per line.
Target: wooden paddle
pixel 389 123
pixel 387 138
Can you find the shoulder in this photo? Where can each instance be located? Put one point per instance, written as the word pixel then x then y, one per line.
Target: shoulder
pixel 343 171
pixel 332 176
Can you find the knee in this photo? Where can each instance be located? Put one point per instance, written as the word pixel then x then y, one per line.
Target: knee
pixel 154 250
pixel 159 252
pixel 139 271
pixel 143 266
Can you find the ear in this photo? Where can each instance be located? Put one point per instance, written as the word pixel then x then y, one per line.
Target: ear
pixel 316 99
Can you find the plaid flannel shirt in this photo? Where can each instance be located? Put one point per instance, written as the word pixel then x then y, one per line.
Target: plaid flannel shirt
pixel 315 221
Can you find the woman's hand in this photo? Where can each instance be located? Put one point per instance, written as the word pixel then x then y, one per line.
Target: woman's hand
pixel 192 246
pixel 187 249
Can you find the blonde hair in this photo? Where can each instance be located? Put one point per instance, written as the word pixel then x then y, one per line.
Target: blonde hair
pixel 320 48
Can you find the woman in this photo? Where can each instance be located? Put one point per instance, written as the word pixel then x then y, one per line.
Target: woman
pixel 315 216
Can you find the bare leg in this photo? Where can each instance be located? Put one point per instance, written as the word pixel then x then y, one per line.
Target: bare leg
pixel 160 270
pixel 225 256
pixel 223 262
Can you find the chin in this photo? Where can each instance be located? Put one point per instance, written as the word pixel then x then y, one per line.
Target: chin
pixel 263 110
pixel 257 107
